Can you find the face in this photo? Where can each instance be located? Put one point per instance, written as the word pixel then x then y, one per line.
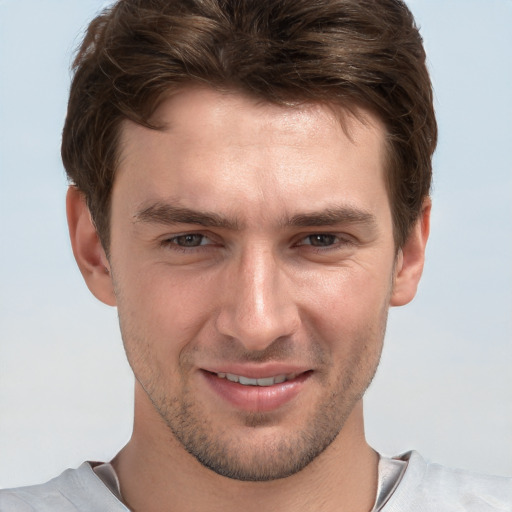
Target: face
pixel 253 263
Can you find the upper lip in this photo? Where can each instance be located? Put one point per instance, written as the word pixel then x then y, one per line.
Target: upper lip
pixel 257 371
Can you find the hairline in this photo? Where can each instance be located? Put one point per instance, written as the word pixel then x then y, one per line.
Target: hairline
pixel 341 111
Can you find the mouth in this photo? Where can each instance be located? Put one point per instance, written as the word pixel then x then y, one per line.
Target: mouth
pixel 257 393
pixel 264 382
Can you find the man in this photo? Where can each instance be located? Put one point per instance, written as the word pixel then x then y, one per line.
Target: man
pixel 250 188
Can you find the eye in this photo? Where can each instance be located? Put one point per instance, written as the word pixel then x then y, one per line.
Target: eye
pixel 188 240
pixel 190 248
pixel 320 240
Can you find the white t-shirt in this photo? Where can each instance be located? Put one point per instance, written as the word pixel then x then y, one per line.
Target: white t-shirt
pixel 407 483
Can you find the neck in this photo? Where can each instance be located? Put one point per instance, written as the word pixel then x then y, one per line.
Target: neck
pixel 342 478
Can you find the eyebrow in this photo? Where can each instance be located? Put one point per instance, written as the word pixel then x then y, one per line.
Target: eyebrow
pixel 164 213
pixel 334 216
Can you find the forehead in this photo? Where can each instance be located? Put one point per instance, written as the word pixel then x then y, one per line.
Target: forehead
pixel 216 147
pixel 182 112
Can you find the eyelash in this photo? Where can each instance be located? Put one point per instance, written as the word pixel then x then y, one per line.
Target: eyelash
pixel 335 242
pixel 333 239
pixel 174 245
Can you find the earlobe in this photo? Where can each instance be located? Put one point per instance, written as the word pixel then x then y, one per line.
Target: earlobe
pixel 87 249
pixel 410 259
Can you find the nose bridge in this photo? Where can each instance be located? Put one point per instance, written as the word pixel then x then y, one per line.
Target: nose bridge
pixel 258 308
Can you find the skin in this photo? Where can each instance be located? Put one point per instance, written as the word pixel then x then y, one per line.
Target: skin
pixel 257 240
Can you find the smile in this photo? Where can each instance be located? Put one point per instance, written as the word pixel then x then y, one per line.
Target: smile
pixel 247 381
pixel 264 390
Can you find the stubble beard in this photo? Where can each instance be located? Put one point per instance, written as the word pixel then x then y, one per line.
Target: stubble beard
pixel 260 452
pixel 274 456
pixel 240 458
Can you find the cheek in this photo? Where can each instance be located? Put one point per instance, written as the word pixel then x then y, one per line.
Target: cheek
pixel 348 317
pixel 348 298
pixel 165 307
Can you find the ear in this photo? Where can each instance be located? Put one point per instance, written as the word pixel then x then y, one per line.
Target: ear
pixel 89 253
pixel 410 259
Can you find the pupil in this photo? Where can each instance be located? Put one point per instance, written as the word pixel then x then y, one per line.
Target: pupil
pixel 190 240
pixel 322 240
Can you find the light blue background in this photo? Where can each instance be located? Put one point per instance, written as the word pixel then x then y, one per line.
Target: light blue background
pixel 444 386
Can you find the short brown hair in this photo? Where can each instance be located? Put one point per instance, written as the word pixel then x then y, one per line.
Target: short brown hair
pixel 344 52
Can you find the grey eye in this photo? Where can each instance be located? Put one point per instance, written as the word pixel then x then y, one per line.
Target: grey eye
pixel 191 240
pixel 322 240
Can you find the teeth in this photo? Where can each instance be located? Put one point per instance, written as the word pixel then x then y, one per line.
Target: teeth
pixel 247 381
pixel 267 381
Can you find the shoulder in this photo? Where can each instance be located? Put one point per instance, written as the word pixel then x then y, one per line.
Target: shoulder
pixel 429 487
pixel 75 490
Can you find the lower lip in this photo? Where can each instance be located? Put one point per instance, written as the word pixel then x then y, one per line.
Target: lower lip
pixel 256 398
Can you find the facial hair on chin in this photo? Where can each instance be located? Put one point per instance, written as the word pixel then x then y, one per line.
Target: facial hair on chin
pixel 253 454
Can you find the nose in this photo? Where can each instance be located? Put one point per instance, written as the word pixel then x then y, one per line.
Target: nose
pixel 257 305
